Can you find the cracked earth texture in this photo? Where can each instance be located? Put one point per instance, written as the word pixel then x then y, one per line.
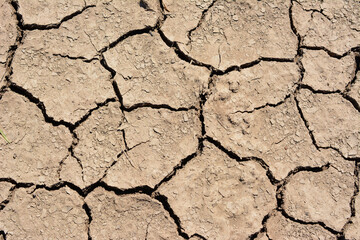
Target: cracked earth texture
pixel 194 119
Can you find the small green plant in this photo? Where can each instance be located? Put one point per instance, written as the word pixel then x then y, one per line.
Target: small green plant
pixel 4 136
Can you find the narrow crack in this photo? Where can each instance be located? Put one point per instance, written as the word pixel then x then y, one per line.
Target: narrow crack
pixel 20 90
pixel 353 102
pixel 88 213
pixel 88 114
pixel 273 105
pixel 319 223
pixel 181 54
pixel 34 26
pixel 125 151
pixel 304 169
pixel 60 166
pixel 203 99
pixel 293 28
pixel 353 198
pixel 198 236
pixel 106 66
pixel 11 52
pixel 357 69
pixel 330 53
pixel 72 154
pixel 218 72
pixel 306 123
pixel 317 91
pixel 7 200
pixel 3 234
pixel 163 8
pixel 234 156
pixel 86 60
pixel 147 29
pixel 178 167
pixel 314 10
pixel 165 203
pixel 156 106
pixel 263 229
pixel 203 15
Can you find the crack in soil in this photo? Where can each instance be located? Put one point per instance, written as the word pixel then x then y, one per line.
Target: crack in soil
pixel 273 105
pixel 352 201
pixel 203 14
pixel 306 123
pixel 330 53
pixel 76 58
pixel 3 234
pixel 88 213
pixel 152 192
pixel 263 229
pixel 34 26
pixel 23 92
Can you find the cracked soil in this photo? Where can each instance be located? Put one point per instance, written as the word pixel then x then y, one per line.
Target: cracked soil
pixel 194 119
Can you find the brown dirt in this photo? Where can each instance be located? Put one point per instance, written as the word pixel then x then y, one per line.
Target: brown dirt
pixel 194 119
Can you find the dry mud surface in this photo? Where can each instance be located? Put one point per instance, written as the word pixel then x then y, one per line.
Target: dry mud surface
pixel 166 119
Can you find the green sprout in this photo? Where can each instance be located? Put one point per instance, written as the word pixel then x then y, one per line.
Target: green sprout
pixel 4 136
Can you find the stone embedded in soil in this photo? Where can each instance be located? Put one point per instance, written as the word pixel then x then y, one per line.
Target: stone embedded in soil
pixel 334 25
pixel 264 83
pixel 214 195
pixel 100 141
pixel 352 231
pixel 96 27
pixel 71 172
pixel 275 134
pixel 279 227
pixel 322 196
pixel 238 32
pixel 56 214
pixel 135 216
pixel 5 190
pixel 158 140
pixel 333 120
pixel 69 88
pixel 48 11
pixel 355 89
pixel 36 147
pixel 150 71
pixel 8 31
pixel 182 16
pixel 323 72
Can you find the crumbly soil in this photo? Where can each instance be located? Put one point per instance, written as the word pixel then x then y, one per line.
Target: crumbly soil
pixel 194 119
